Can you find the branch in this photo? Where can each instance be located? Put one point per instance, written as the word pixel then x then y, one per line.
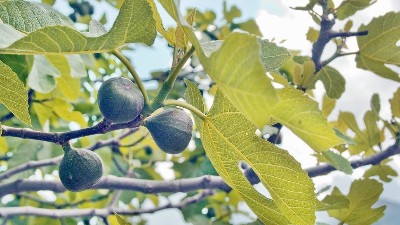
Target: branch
pixel 325 35
pixel 63 137
pixel 30 165
pixel 180 185
pixel 122 183
pixel 56 160
pixel 62 213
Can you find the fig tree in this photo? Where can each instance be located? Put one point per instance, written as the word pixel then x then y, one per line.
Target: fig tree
pixel 171 130
pixel 119 100
pixel 80 169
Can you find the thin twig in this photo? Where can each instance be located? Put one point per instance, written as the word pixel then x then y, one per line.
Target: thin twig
pixel 7 212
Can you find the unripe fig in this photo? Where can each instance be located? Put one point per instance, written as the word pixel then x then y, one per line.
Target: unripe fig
pixel 119 99
pixel 171 130
pixel 80 169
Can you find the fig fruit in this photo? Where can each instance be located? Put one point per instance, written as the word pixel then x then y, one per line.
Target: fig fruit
pixel 80 169
pixel 119 100
pixel 171 130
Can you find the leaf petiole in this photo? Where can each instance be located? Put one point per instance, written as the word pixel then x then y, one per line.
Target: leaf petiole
pixel 135 75
pixel 186 106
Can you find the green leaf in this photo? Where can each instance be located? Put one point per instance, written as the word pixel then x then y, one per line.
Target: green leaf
pixel 312 35
pixel 232 13
pixel 134 23
pixel 338 161
pixel 363 194
pixel 77 66
pixel 13 94
pixel 271 55
pixel 379 46
pixel 193 97
pixel 350 7
pixel 383 171
pixel 335 200
pixel 28 16
pixel 301 115
pixel 42 77
pixel 395 103
pixel 376 103
pixel 69 86
pixel 245 83
pixel 328 104
pixel 121 220
pixel 251 91
pixel 250 26
pixel 169 36
pixel 227 144
pixel 20 64
pixel 333 81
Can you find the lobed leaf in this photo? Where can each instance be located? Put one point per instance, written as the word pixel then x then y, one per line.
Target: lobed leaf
pixel 333 81
pixel 28 16
pixel 134 23
pixel 350 7
pixel 363 194
pixel 379 46
pixel 395 103
pixel 228 144
pixel 13 94
pixel 301 115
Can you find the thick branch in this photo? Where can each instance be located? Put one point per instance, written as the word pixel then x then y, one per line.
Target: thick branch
pixel 326 34
pixel 121 183
pixel 62 213
pixel 181 185
pixel 63 137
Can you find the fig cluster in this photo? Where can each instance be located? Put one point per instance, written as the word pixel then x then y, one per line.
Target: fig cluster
pixel 120 101
pixel 80 169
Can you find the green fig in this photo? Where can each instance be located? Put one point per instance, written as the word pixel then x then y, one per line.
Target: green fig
pixel 171 130
pixel 80 169
pixel 119 100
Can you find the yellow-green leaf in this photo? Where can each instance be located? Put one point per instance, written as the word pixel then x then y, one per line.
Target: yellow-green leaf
pixel 193 97
pixel 245 83
pixel 383 171
pixel 65 111
pixel 228 144
pixel 395 103
pixel 250 26
pixel 3 144
pixel 28 16
pixel 43 74
pixel 301 115
pixel 271 55
pixel 121 220
pixel 363 194
pixel 328 104
pixel 169 36
pixel 379 46
pixel 312 35
pixel 134 23
pixel 13 94
pixel 338 161
pixel 335 200
pixel 333 81
pixel 69 86
pixel 350 7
